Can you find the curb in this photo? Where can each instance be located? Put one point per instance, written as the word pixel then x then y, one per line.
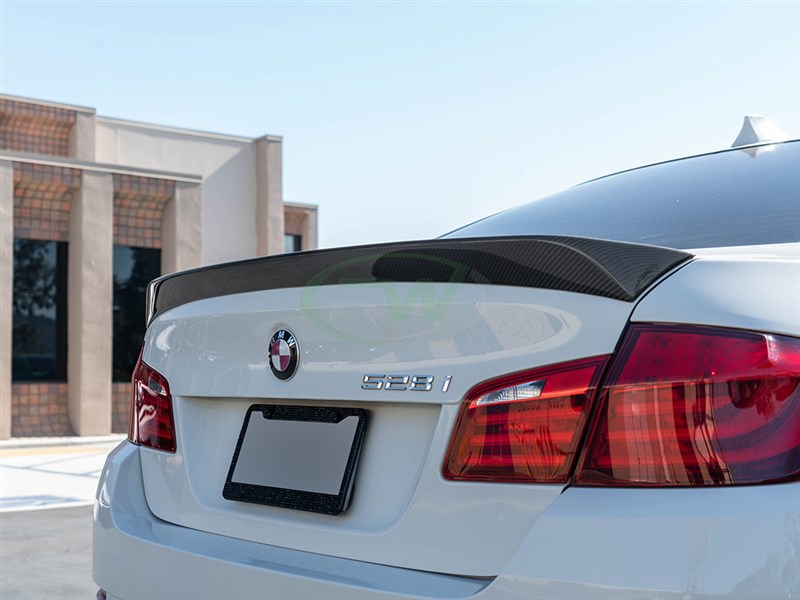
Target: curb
pixel 75 440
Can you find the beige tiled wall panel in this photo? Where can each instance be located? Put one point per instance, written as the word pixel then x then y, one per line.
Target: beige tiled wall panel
pixel 42 200
pixel 39 409
pixel 26 127
pixel 120 406
pixel 139 209
pixel 295 221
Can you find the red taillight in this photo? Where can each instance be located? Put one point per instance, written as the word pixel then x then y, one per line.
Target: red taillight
pixel 151 423
pixel 524 427
pixel 691 406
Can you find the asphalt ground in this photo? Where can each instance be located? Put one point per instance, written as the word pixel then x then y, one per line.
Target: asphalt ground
pixel 46 496
pixel 46 554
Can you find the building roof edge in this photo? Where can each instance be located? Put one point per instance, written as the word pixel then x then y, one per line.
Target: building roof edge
pixel 73 163
pixel 179 130
pixel 144 124
pixel 304 205
pixel 269 138
pixel 48 103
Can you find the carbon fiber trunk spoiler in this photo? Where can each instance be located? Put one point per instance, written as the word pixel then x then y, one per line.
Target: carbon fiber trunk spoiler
pixel 618 270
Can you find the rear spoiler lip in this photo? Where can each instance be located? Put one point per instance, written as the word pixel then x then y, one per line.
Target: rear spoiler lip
pixel 611 269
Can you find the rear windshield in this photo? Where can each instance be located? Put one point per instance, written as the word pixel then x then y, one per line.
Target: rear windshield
pixel 734 198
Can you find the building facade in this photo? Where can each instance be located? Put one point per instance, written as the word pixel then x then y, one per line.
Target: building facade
pixel 91 208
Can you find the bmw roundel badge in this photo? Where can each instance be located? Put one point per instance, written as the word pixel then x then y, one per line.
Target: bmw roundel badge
pixel 283 354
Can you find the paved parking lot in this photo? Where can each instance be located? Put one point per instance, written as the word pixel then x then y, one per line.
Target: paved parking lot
pixel 47 554
pixel 46 494
pixel 37 478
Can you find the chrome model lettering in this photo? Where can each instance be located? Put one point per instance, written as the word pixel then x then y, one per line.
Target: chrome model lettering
pixel 421 383
pixel 396 382
pixel 446 385
pixel 402 383
pixel 372 382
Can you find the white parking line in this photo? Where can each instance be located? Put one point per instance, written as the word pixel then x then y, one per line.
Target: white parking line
pixel 51 477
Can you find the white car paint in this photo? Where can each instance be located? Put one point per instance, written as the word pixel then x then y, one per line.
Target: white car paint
pixel 757 290
pixel 589 544
pixel 220 368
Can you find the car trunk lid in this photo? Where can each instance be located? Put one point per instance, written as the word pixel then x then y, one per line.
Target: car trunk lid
pixel 212 346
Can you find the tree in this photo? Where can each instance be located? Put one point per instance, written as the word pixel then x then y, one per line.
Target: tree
pixel 34 296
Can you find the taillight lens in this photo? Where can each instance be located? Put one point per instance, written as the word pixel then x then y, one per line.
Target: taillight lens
pixel 694 406
pixel 151 423
pixel 524 427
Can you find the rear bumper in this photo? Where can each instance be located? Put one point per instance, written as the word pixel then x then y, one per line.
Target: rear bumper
pixel 137 555
pixel 591 543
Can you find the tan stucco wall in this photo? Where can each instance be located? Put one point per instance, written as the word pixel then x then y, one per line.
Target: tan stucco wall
pixel 311 242
pixel 269 195
pixel 6 292
pixel 81 138
pixel 226 164
pixel 89 298
pixel 181 229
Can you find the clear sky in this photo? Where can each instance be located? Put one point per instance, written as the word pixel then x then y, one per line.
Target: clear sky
pixel 403 120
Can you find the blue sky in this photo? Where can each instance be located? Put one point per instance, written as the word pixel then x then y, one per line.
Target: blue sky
pixel 404 120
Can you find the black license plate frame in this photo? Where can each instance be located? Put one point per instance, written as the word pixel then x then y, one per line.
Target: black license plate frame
pixel 297 499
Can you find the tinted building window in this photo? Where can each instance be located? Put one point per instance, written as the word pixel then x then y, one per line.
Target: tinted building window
pixel 39 311
pixel 292 242
pixel 134 268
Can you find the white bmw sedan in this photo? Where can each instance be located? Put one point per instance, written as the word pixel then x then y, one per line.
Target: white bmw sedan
pixel 592 396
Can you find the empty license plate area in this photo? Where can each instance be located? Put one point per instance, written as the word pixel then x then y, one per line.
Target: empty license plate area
pixel 298 457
